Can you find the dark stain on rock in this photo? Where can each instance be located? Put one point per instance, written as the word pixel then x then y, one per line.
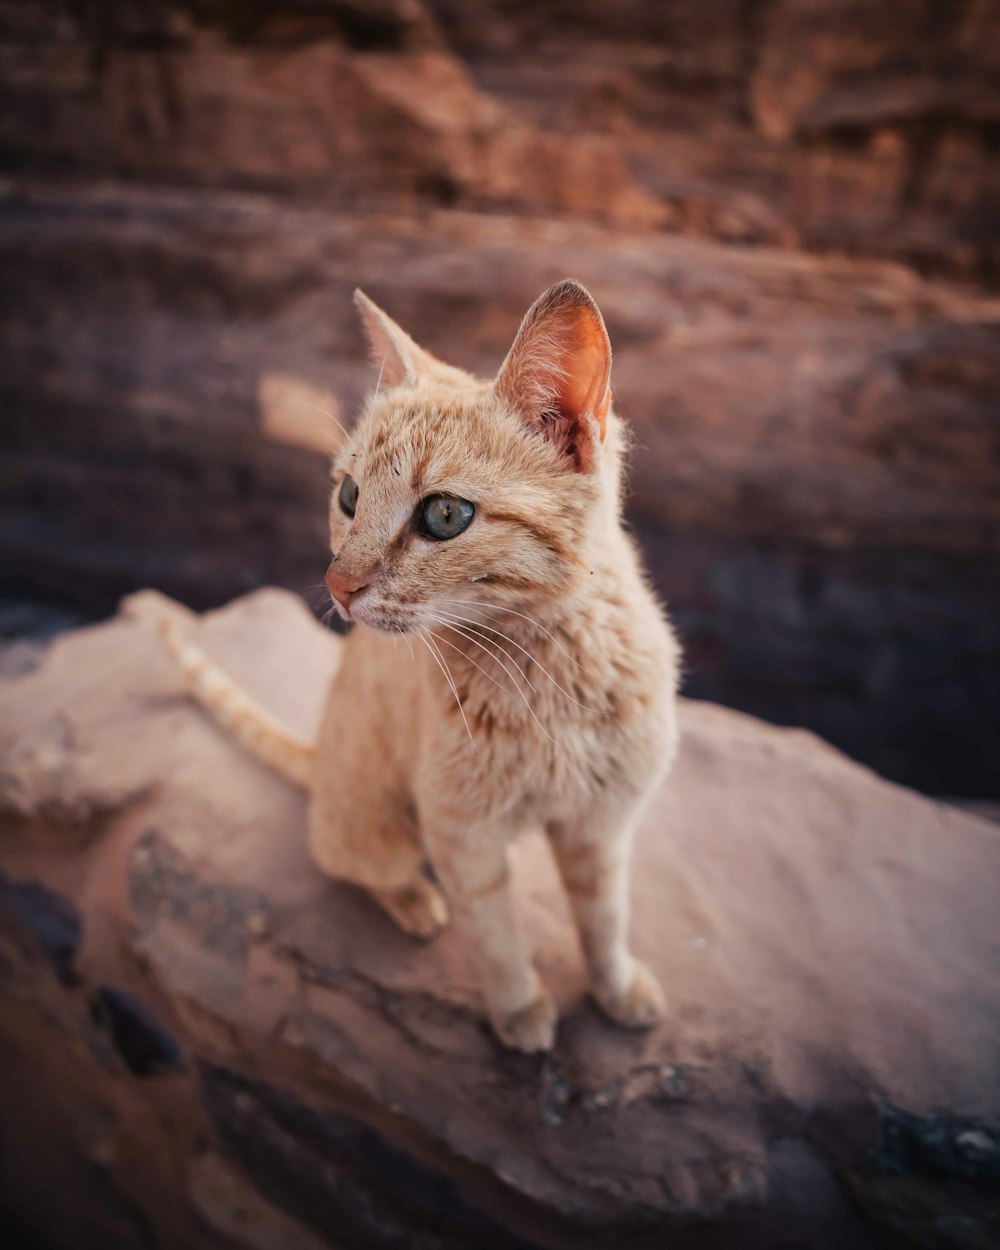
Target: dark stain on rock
pixel 50 918
pixel 164 886
pixel 145 1047
pixel 330 1171
pixel 944 1146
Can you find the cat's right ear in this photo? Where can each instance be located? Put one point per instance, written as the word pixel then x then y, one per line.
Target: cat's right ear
pixel 399 360
pixel 557 374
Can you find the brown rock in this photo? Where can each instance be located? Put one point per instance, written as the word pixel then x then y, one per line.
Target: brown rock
pixel 853 126
pixel 366 104
pixel 826 939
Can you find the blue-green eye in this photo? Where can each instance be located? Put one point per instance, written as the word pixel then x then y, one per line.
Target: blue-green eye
pixel 442 517
pixel 349 495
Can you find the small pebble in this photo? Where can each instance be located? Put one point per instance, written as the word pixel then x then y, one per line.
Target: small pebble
pixel 673 1081
pixel 976 1145
pixel 555 1097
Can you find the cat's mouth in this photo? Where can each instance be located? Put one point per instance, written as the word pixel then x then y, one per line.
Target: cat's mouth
pixel 366 607
pixel 383 617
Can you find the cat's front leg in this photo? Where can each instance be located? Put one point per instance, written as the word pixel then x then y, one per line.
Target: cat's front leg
pixel 472 865
pixel 594 854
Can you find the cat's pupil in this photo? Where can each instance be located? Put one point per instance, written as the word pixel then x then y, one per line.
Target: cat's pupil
pixel 443 517
pixel 348 495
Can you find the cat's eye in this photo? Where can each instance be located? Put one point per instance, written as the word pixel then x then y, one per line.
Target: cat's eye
pixel 442 517
pixel 348 495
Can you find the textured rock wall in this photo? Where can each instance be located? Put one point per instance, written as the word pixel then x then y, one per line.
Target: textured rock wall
pixel 870 127
pixel 193 191
pixel 843 124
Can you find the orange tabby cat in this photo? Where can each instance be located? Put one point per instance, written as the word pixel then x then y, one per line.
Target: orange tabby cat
pixel 483 521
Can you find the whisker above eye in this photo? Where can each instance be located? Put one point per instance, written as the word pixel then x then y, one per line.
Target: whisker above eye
pixel 308 403
pixel 378 383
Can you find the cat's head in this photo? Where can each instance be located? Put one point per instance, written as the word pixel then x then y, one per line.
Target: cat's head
pixel 452 491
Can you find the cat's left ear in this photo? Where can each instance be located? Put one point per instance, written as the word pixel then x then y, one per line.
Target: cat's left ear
pixel 557 373
pixel 400 361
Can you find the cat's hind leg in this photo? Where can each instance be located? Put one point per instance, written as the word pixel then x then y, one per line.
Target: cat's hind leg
pixel 369 837
pixel 418 907
pixel 362 818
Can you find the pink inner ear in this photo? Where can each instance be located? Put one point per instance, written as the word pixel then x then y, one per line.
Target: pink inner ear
pixel 583 383
pixel 557 372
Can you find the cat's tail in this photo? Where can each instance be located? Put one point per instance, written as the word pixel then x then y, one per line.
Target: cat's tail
pixel 251 725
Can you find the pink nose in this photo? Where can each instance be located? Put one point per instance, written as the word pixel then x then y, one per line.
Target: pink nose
pixel 343 587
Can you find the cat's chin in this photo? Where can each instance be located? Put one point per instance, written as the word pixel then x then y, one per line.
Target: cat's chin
pixel 384 621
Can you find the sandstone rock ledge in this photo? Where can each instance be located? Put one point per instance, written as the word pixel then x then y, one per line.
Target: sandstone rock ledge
pixel 205 1043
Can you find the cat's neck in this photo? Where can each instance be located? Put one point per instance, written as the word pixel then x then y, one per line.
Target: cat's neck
pixel 582 631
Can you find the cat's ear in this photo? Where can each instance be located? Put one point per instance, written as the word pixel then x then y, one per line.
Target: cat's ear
pixel 399 360
pixel 557 372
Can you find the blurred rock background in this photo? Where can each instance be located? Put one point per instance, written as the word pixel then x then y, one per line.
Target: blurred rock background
pixel 787 209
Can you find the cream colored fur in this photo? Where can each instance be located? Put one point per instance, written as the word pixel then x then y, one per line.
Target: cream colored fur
pixel 534 682
pixel 252 726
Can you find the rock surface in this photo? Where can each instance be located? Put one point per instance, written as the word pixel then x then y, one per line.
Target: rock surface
pixel 203 1039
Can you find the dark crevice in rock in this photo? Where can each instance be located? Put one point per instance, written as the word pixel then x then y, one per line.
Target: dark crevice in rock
pixel 331 1172
pixel 945 1147
pixel 145 1047
pixel 51 919
pixel 407 1012
pixel 163 886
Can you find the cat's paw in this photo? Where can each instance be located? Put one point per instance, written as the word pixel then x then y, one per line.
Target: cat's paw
pixel 419 908
pixel 639 1006
pixel 531 1029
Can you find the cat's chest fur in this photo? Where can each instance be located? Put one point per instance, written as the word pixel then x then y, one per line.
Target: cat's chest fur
pixel 541 719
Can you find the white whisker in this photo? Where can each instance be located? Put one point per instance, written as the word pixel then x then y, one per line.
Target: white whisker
pixel 458 629
pixel 378 384
pixel 336 420
pixel 498 607
pixel 467 628
pixel 499 632
pixel 440 662
pixel 473 662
